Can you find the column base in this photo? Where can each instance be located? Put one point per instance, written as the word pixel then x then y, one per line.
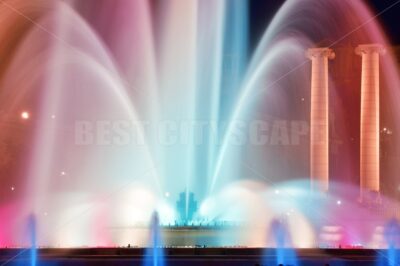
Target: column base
pixel 370 198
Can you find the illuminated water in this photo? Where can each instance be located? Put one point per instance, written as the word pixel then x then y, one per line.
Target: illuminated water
pixel 124 114
pixel 284 253
pixel 154 255
pixel 32 232
pixel 390 255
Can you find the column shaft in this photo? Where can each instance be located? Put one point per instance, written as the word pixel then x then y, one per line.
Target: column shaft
pixel 319 120
pixel 369 124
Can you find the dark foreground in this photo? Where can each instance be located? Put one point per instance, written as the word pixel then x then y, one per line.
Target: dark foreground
pixel 187 256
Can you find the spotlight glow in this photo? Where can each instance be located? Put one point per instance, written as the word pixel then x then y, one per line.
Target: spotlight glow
pixel 25 115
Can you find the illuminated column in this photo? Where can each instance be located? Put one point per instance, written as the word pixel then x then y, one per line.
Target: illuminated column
pixel 369 127
pixel 319 122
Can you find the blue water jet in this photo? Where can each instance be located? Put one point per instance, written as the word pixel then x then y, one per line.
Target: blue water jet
pixel 390 256
pixel 284 252
pixel 154 254
pixel 32 236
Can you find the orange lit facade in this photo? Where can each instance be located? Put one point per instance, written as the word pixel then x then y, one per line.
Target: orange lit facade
pixel 319 122
pixel 369 123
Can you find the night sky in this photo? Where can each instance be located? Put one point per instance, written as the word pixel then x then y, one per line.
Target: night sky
pixel 389 19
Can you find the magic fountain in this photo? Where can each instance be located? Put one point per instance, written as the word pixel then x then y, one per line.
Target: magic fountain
pixel 125 104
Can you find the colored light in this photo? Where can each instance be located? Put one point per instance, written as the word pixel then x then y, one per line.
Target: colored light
pixel 25 115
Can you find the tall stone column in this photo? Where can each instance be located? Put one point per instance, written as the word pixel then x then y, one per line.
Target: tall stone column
pixel 369 127
pixel 319 122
